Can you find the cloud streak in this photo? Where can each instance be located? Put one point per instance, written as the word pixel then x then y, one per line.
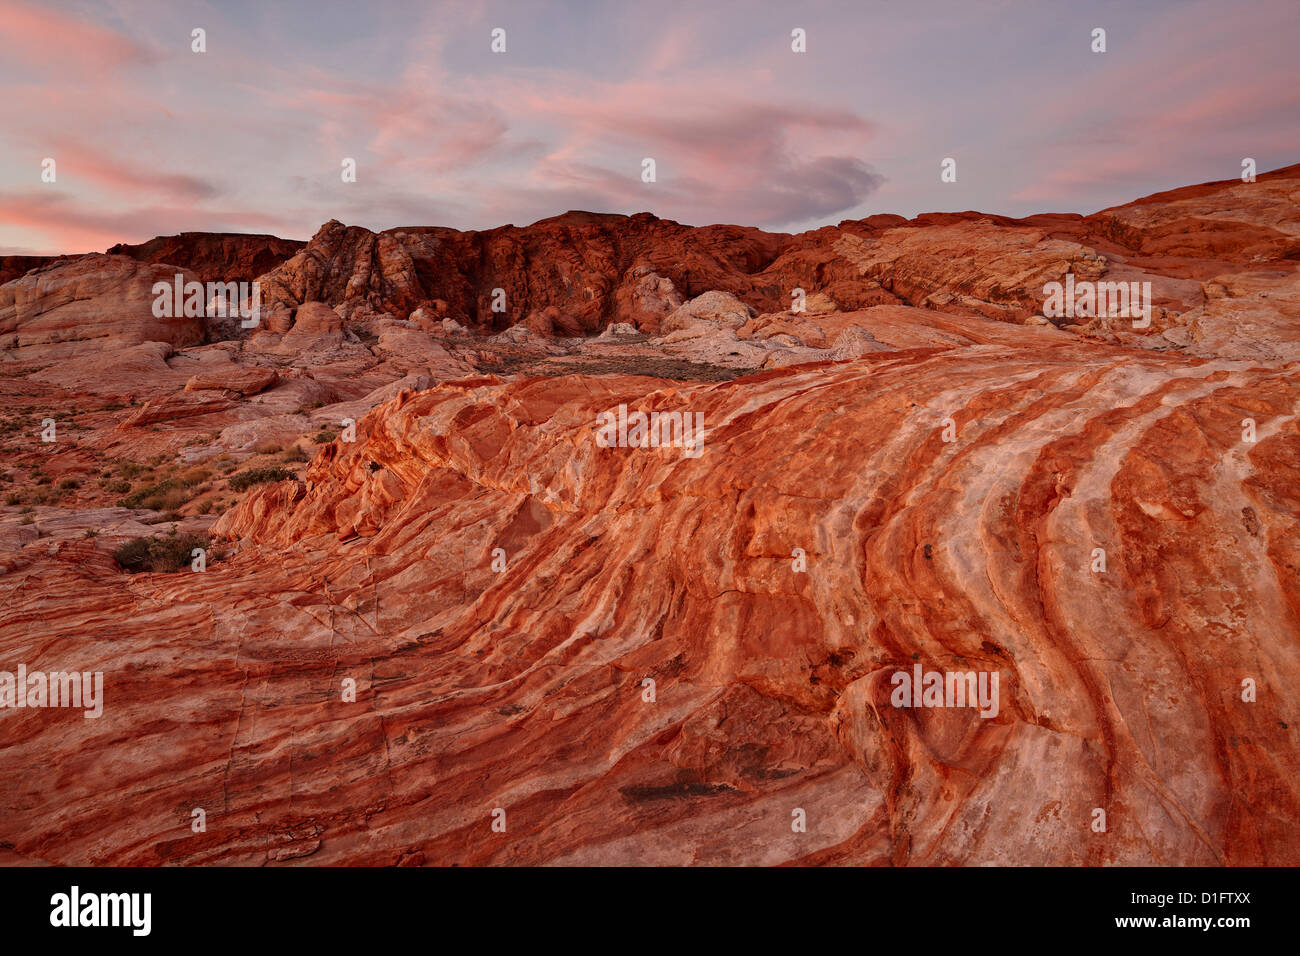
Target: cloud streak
pixel 152 138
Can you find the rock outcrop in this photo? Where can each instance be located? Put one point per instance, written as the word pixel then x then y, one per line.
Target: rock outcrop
pixel 577 273
pixel 245 380
pixel 91 304
pixel 594 268
pixel 14 267
pixel 215 257
pixel 524 688
pixel 455 611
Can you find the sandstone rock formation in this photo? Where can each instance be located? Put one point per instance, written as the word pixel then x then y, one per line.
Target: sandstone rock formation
pixel 713 309
pixel 244 380
pixel 594 268
pixel 81 306
pixel 223 257
pixel 667 655
pixel 14 267
pixel 579 272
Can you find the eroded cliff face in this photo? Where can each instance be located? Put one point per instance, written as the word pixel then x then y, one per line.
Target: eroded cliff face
pixel 578 273
pixel 214 257
pixel 588 269
pixel 472 632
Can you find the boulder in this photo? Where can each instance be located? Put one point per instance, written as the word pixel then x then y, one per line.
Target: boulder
pixel 77 307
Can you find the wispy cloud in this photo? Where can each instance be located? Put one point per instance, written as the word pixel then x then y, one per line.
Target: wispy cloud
pixel 153 138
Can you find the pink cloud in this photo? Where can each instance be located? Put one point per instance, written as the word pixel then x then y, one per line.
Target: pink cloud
pixel 1162 111
pixel 66 225
pixel 44 37
pixel 732 155
pixel 76 160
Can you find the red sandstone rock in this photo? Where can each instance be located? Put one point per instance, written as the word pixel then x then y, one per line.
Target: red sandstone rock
pixel 947 473
pixel 172 408
pixel 552 321
pixel 82 306
pixel 246 380
pixel 216 257
pixel 14 267
pixel 522 689
pixel 580 263
pixel 605 269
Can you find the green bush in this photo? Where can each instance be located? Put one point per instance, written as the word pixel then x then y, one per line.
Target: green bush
pixel 150 496
pixel 166 552
pixel 194 476
pixel 256 476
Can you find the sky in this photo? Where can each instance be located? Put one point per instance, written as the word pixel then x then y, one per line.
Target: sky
pixel 149 137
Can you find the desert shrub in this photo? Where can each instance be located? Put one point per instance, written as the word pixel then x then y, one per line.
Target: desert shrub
pixel 269 448
pixel 68 484
pixel 195 476
pixel 173 499
pixel 118 487
pixel 296 454
pixel 137 498
pixel 256 476
pixel 166 552
pixel 13 498
pixel 163 496
pixel 324 437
